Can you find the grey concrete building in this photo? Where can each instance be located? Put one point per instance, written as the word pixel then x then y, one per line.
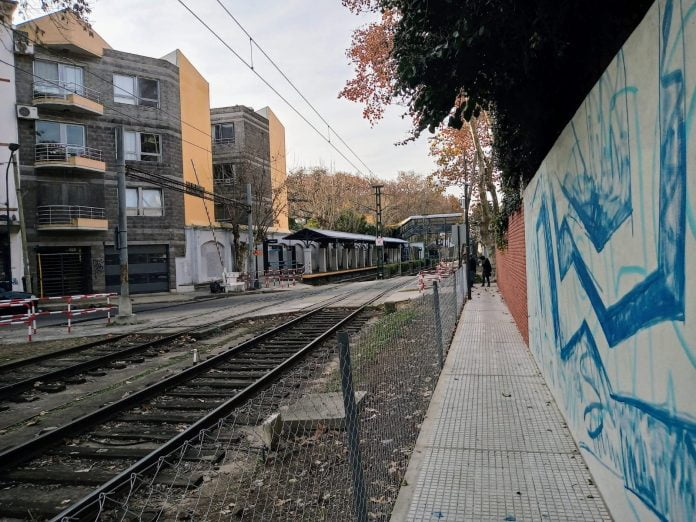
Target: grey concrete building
pixel 73 92
pixel 249 147
pixel 241 155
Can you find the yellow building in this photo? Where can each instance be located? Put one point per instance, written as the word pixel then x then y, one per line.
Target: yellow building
pixel 197 159
pixel 276 138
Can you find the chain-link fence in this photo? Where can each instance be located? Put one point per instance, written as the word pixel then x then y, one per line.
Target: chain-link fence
pixel 289 452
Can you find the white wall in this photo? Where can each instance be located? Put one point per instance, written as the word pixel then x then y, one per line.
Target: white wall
pixel 8 134
pixel 610 222
pixel 195 267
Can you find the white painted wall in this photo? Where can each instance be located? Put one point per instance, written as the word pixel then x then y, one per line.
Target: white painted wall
pixel 8 134
pixel 610 222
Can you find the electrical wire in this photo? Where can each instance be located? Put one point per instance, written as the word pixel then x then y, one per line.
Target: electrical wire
pixel 297 90
pixel 268 84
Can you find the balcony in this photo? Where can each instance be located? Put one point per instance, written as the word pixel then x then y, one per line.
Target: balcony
pixel 67 96
pixel 63 156
pixel 71 217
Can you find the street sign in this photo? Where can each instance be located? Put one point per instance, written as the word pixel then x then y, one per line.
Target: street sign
pixel 379 241
pixel 271 241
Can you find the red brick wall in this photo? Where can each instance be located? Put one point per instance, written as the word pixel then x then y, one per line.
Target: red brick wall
pixel 511 273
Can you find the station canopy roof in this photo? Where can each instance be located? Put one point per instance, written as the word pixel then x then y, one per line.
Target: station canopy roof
pixel 330 236
pixel 454 217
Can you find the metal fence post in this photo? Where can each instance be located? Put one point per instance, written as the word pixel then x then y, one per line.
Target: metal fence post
pixel 438 324
pixel 359 495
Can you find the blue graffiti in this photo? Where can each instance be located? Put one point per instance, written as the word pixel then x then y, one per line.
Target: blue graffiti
pixel 656 450
pixel 660 296
pixel 599 186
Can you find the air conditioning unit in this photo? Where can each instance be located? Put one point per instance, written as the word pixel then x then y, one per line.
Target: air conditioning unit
pixel 27 112
pixel 24 47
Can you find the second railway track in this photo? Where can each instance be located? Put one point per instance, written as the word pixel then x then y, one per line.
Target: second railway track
pixel 51 372
pixel 62 474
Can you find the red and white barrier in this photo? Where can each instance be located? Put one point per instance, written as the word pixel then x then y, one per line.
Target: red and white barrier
pixel 283 278
pixel 71 312
pixel 28 318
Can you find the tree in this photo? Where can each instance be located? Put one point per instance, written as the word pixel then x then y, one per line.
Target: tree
pixel 464 156
pixel 335 200
pixel 529 63
pixel 351 221
pixel 80 8
pixel 268 202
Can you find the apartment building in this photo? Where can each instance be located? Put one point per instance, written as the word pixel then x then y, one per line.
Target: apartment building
pixel 249 147
pixel 73 91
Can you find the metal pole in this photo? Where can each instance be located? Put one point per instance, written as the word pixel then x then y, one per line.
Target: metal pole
pixel 125 308
pixel 351 412
pixel 22 228
pixel 378 226
pixel 459 244
pixel 253 273
pixel 7 258
pixel 466 226
pixel 438 325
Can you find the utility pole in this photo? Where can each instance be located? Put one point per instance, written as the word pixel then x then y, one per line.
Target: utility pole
pixel 378 226
pixel 125 307
pixel 466 226
pixel 7 261
pixel 459 244
pixel 22 228
pixel 253 275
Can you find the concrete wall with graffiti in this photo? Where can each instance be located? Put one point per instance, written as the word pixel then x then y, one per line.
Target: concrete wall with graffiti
pixel 610 222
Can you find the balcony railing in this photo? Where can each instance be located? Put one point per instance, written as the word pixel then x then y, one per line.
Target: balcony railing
pixel 62 152
pixel 71 215
pixel 57 89
pixel 222 141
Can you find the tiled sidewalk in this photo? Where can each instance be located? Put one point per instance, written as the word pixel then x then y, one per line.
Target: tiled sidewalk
pixel 494 445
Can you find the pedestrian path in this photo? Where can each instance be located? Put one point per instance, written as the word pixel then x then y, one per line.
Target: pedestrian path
pixel 494 445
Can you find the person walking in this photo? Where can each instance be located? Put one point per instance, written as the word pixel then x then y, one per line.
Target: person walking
pixel 471 271
pixel 486 270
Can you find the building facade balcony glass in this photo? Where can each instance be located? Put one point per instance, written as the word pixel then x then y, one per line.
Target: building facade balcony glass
pixel 71 217
pixel 61 95
pixel 62 155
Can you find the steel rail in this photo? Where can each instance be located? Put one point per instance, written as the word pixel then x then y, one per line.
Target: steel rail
pixel 27 450
pixel 83 507
pixel 97 362
pixel 55 375
pixel 51 355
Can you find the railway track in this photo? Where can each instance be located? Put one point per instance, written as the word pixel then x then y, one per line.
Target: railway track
pixel 62 474
pixel 52 372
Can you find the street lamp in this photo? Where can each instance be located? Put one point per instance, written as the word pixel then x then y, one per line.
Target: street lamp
pixel 14 147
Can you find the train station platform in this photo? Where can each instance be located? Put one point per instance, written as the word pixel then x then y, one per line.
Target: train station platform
pixel 494 445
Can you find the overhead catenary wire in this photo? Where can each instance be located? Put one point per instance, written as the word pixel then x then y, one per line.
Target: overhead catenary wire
pixel 297 90
pixel 270 86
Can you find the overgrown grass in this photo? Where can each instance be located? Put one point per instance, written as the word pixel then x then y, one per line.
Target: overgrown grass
pixel 387 330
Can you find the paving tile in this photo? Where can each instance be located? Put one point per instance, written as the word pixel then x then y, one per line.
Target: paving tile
pixel 498 447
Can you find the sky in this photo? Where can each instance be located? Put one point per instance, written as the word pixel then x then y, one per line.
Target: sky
pixel 306 38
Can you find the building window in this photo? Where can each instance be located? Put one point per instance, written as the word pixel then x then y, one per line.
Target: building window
pixel 57 141
pixel 59 79
pixel 134 90
pixel 142 146
pixel 223 174
pixel 223 133
pixel 141 201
